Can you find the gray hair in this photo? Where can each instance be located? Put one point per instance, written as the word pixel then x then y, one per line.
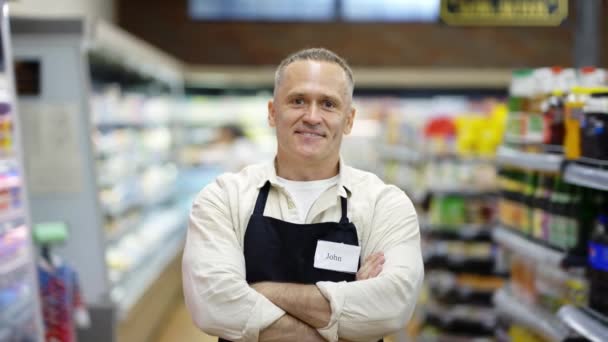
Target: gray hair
pixel 319 55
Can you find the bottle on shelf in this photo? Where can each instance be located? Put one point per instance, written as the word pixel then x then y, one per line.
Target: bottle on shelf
pixel 594 126
pixel 598 264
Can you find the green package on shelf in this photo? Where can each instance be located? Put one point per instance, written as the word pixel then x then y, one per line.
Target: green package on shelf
pixel 46 233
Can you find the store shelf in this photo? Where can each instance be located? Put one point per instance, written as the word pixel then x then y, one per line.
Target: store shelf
pixel 464 192
pixel 126 227
pixel 472 265
pixel 399 153
pixel 446 337
pixel 529 161
pixel 9 182
pixel 18 262
pixel 462 319
pixel 458 294
pixel 121 208
pixel 162 236
pixel 126 293
pixel 133 124
pixel 589 324
pixel 469 232
pixel 587 176
pixel 11 215
pixel 534 318
pixel 535 250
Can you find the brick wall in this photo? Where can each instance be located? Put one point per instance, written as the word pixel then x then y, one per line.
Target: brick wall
pixel 166 24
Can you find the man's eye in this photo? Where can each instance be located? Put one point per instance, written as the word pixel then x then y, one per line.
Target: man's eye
pixel 329 104
pixel 298 101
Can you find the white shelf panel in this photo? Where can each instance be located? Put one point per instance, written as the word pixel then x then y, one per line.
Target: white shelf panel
pixel 10 182
pixel 18 262
pixel 583 322
pixel 523 246
pixel 529 316
pixel 399 153
pixel 469 192
pixel 586 176
pixel 530 161
pixel 127 294
pixel 11 215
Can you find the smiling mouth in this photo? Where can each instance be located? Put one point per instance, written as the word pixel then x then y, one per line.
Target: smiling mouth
pixel 310 134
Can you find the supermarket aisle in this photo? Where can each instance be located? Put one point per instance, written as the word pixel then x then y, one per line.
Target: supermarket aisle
pixel 180 328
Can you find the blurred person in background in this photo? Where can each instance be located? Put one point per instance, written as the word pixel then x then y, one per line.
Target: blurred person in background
pixel 304 247
pixel 231 150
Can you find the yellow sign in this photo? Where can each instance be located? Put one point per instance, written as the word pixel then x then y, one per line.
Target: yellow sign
pixel 504 12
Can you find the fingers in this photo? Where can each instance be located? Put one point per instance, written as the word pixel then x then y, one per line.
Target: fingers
pixel 371 267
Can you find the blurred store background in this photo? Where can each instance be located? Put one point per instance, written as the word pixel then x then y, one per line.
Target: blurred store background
pixel 492 115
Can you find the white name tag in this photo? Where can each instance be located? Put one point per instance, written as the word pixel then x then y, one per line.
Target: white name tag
pixel 337 256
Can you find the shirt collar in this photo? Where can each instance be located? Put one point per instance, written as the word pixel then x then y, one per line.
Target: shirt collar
pixel 344 180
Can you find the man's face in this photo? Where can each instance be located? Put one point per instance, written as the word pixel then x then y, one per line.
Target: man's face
pixel 311 111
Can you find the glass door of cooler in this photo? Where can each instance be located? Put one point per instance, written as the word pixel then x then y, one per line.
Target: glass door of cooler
pixel 19 305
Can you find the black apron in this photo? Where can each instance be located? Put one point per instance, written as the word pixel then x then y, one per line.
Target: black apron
pixel 280 251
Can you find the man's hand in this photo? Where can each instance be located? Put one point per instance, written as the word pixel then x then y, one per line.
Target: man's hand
pixel 371 267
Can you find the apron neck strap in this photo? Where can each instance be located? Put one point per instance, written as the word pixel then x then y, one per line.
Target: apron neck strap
pixel 260 203
pixel 344 218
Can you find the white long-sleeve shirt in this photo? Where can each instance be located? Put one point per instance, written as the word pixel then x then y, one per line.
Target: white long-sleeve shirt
pixel 222 303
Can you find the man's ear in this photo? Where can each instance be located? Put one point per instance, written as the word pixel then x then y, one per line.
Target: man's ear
pixel 350 119
pixel 271 114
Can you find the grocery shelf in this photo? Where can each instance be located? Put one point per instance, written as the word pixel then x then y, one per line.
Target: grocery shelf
pixel 458 294
pixel 18 262
pixel 465 192
pixel 535 250
pixel 587 176
pixel 126 293
pixel 9 182
pixel 462 318
pixel 134 124
pixel 124 229
pixel 472 265
pixel 532 317
pixel 399 153
pixel 18 312
pixel 11 215
pixel 467 232
pixel 446 337
pixel 121 208
pixel 530 161
pixel 587 323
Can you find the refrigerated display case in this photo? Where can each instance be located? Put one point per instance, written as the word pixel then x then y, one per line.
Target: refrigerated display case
pixel 20 312
pixel 100 159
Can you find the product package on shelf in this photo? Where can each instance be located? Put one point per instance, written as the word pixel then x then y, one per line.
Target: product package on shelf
pixel 441 152
pixel 553 202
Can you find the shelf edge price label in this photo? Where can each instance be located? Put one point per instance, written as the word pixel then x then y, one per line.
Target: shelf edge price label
pixel 504 12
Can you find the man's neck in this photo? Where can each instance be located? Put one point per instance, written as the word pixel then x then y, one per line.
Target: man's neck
pixel 297 171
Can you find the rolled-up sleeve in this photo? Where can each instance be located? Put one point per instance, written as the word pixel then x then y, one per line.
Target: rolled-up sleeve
pixel 217 295
pixel 370 309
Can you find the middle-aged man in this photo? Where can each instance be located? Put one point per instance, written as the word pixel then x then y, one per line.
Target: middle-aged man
pixel 303 248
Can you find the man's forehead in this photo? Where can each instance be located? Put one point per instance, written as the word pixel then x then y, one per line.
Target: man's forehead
pixel 299 72
pixel 314 67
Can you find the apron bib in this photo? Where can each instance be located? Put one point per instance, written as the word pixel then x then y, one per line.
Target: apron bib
pixel 281 251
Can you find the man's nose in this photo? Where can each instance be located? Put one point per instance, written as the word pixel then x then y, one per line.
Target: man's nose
pixel 313 115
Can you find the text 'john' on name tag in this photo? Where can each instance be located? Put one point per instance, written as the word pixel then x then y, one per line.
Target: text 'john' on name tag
pixel 337 256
